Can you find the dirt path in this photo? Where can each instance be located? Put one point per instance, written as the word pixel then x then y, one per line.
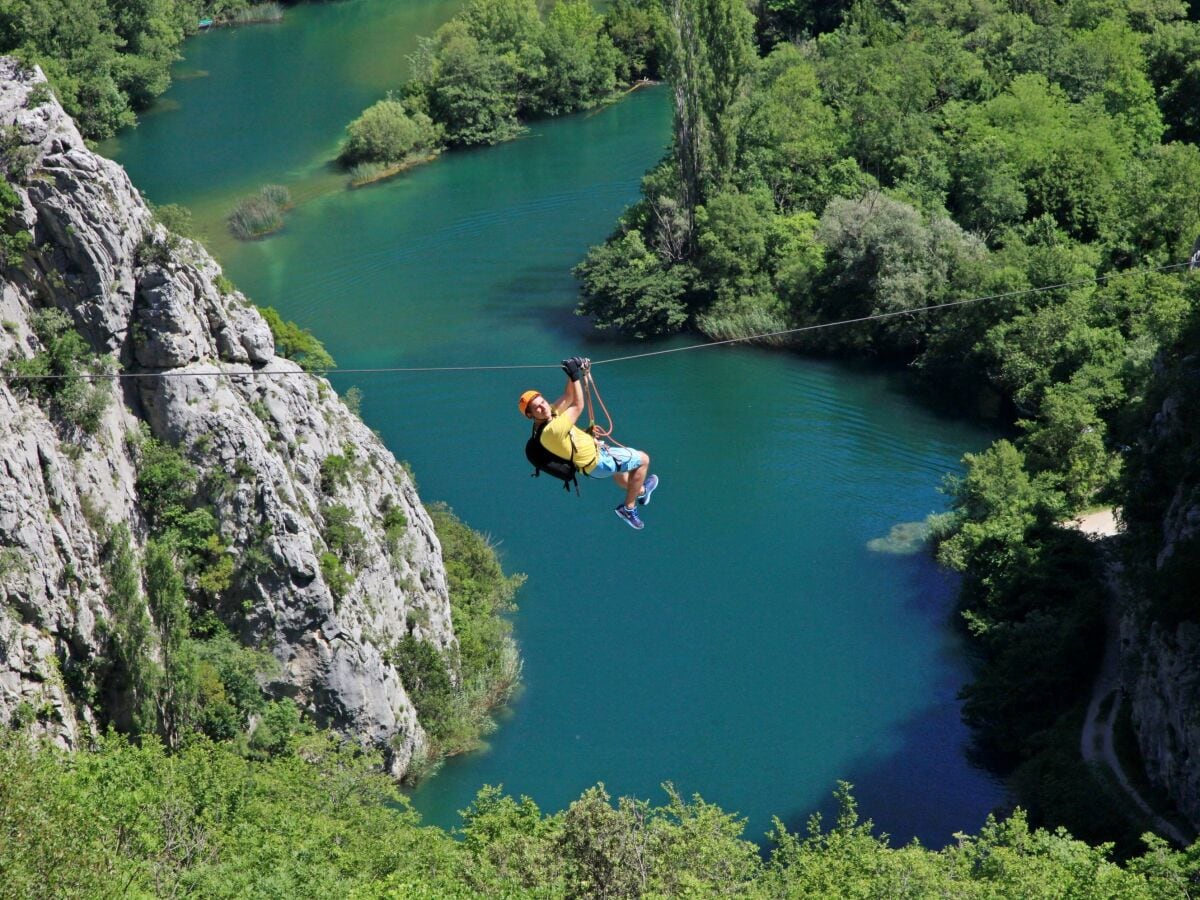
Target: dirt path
pixel 1096 738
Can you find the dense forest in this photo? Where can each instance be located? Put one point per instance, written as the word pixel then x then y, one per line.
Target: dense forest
pixel 830 161
pixel 316 820
pixel 1039 156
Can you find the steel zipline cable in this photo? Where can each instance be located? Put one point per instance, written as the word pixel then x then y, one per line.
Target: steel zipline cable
pixel 284 373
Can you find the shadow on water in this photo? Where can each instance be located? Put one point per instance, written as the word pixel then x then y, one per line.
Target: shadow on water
pixel 927 748
pixel 935 783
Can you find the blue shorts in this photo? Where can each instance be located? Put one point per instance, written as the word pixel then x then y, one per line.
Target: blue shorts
pixel 616 459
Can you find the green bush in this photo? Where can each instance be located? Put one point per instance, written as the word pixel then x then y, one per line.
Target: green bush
pixel 166 481
pixel 56 376
pixel 387 133
pixel 395 523
pixel 336 469
pixel 13 246
pixel 296 343
pixel 335 574
pixel 341 534
pixel 177 219
pixel 260 214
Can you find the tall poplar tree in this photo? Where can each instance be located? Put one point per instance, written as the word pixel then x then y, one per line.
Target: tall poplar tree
pixel 708 58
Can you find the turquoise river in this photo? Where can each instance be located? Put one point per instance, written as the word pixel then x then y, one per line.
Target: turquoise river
pixel 749 645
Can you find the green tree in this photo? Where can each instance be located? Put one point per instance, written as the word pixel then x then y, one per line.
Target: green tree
pixel 626 287
pixel 881 257
pixel 708 59
pixel 1068 157
pixel 636 29
pixel 790 139
pixel 1159 207
pixel 1107 62
pixel 580 59
pixel 387 133
pixel 1173 56
pixel 472 94
pixel 133 677
pixel 168 605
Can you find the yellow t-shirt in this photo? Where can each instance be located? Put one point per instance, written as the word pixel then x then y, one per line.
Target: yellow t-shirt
pixel 557 437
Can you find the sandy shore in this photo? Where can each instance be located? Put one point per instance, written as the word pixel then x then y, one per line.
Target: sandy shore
pixel 1102 523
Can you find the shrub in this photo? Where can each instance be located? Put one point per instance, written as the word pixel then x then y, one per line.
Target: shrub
pixel 335 574
pixel 12 246
pixel 480 597
pixel 341 534
pixel 177 219
pixel 56 377
pixel 165 482
pixel 423 672
pixel 296 343
pixel 395 523
pixel 387 133
pixel 260 214
pixel 335 471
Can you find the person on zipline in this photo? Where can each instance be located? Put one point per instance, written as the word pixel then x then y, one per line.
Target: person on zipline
pixel 558 433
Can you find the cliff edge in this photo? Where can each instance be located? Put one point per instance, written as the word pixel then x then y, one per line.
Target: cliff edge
pixel 79 239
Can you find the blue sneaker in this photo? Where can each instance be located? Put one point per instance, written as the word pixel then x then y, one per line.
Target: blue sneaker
pixel 630 516
pixel 647 490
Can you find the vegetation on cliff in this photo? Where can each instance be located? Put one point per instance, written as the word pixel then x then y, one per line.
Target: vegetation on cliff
pixel 178 670
pixel 1161 488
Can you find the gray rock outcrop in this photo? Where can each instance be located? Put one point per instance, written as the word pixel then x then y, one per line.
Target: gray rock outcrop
pixel 154 303
pixel 1160 629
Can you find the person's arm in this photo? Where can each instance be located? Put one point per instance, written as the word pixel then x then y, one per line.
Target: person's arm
pixel 570 404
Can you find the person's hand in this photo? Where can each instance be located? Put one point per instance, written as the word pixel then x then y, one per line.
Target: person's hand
pixel 575 367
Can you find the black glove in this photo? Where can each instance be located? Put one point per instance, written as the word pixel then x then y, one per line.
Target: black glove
pixel 575 367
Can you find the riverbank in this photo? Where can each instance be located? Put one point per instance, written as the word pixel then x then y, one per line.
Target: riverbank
pixel 1100 523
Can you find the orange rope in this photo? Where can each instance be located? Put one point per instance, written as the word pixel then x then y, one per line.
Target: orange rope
pixel 601 434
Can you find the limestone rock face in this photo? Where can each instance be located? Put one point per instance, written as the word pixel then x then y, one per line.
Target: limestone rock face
pixel 1161 657
pixel 1161 673
pixel 155 304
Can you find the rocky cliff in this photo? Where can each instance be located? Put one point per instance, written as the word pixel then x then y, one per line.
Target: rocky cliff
pixel 156 305
pixel 1160 630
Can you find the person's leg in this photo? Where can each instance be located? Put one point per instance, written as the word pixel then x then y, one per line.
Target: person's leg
pixel 635 479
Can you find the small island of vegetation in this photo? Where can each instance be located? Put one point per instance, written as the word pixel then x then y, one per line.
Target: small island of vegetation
pixel 495 66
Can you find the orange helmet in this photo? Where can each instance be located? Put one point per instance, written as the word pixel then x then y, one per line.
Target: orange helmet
pixel 526 398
